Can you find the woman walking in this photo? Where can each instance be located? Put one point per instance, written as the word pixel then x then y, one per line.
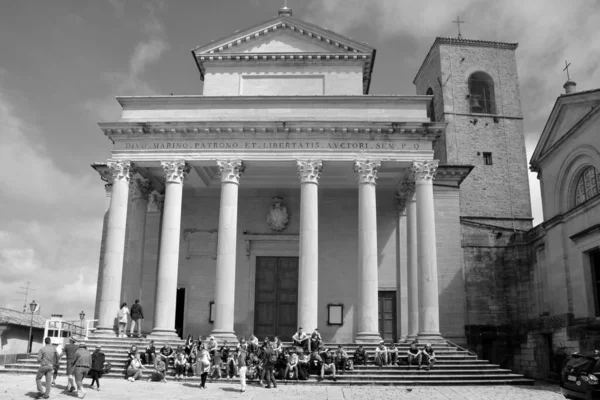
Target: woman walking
pixel 203 365
pixel 122 317
pixel 98 359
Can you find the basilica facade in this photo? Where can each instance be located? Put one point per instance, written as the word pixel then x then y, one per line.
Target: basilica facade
pixel 286 195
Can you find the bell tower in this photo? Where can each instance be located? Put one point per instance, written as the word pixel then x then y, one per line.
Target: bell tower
pixel 475 89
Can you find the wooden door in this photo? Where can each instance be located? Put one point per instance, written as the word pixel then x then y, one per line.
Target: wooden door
pixel 276 300
pixel 387 316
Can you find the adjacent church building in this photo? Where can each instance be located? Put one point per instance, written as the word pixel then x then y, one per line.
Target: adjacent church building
pixel 285 195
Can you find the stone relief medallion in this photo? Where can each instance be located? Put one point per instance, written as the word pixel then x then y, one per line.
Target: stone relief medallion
pixel 277 218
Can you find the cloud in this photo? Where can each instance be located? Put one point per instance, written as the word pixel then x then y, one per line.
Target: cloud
pixel 51 219
pixel 145 53
pixel 548 31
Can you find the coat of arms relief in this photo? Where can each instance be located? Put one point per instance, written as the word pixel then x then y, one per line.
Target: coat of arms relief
pixel 277 218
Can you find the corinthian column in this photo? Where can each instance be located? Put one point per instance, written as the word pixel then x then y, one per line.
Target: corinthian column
pixel 367 307
pixel 168 259
pixel 230 170
pixel 401 268
pixel 112 269
pixel 412 255
pixel 139 191
pixel 308 274
pixel 429 317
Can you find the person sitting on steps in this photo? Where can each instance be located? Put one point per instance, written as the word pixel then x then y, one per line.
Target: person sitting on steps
pixel 381 355
pixel 291 369
pixel 360 356
pixel 341 358
pixel 315 340
pixel 393 354
pixel 428 355
pixel 413 354
pixel 328 365
pixel 300 339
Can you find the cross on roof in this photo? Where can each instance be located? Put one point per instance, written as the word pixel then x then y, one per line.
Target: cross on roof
pixel 458 22
pixel 567 65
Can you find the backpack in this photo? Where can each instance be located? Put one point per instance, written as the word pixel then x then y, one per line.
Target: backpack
pixel 106 367
pixel 273 358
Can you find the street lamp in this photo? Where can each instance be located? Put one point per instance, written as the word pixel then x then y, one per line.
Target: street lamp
pixel 32 307
pixel 82 317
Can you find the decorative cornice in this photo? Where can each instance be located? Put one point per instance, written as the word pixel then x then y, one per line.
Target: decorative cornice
pixel 231 170
pixel 367 171
pixel 120 170
pixel 424 171
pixel 397 128
pixel 175 171
pixel 140 188
pixel 309 171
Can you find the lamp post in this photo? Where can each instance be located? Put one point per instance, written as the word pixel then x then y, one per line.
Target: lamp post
pixel 82 317
pixel 32 307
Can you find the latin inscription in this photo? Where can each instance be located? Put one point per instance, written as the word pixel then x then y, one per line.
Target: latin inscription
pixel 274 145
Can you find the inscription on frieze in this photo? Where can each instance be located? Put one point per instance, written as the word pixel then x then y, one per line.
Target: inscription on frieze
pixel 336 145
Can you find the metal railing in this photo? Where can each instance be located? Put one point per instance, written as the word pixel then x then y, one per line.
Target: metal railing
pixel 59 331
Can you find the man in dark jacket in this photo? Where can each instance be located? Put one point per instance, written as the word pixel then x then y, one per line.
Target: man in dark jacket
pixel 269 359
pixel 98 359
pixel 82 364
pixel 69 352
pixel 137 316
pixel 47 357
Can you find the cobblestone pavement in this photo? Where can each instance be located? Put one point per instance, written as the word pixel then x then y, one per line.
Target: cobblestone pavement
pixel 23 387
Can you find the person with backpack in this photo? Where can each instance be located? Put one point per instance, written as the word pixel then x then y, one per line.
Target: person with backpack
pixel 269 359
pixel 137 317
pixel 122 320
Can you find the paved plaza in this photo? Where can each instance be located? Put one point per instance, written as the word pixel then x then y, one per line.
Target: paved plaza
pixel 23 387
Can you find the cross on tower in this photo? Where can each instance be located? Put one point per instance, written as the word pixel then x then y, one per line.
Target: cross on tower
pixel 567 65
pixel 458 22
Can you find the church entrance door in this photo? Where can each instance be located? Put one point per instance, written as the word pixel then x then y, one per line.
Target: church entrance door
pixel 276 300
pixel 387 315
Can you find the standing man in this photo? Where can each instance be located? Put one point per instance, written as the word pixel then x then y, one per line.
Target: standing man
pixel 137 316
pixel 69 352
pixel 81 363
pixel 48 358
pixel 301 339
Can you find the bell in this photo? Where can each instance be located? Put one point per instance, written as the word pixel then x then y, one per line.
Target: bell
pixel 475 104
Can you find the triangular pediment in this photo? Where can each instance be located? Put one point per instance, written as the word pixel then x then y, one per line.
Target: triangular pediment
pixel 282 35
pixel 284 41
pixel 570 112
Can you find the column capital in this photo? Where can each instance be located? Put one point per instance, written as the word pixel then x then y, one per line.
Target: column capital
pixel 231 170
pixel 367 171
pixel 309 171
pixel 140 188
pixel 424 171
pixel 121 170
pixel 175 171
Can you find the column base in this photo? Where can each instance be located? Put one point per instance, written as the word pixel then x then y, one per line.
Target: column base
pixel 163 335
pixel 430 337
pixel 410 338
pixel 368 337
pixel 221 336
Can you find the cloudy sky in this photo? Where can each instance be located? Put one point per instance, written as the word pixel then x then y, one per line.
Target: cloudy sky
pixel 64 61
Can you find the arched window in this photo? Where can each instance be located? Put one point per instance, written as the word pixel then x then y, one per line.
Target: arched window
pixel 481 93
pixel 431 107
pixel 587 185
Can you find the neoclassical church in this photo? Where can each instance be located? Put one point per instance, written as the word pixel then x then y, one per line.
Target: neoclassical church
pixel 286 195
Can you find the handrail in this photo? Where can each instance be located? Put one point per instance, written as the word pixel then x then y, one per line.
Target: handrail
pixel 58 330
pixel 462 348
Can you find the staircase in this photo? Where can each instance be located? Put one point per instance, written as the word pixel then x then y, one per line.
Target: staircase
pixel 454 366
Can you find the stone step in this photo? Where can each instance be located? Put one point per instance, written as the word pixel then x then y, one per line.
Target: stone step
pixel 446 380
